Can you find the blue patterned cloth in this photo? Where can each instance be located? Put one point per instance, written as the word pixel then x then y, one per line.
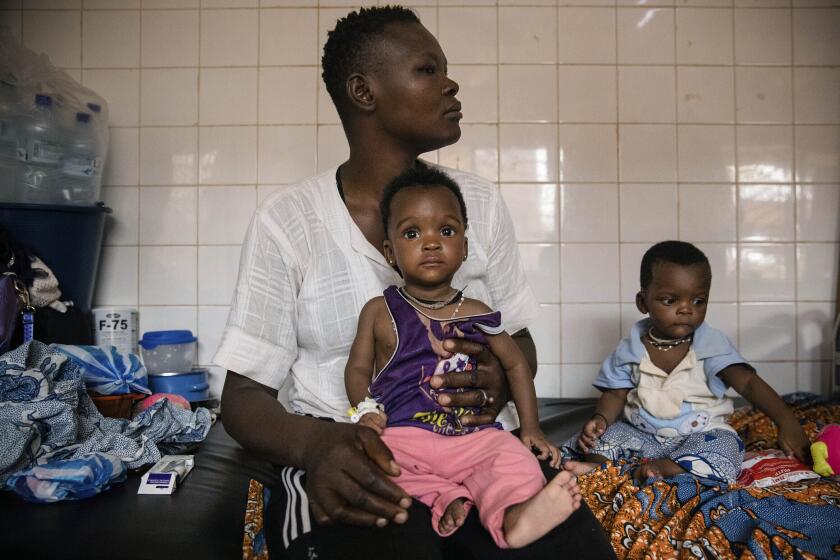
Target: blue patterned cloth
pixel 68 479
pixel 108 372
pixel 714 455
pixel 46 415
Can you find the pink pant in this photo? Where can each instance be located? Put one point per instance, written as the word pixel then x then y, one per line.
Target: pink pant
pixel 489 468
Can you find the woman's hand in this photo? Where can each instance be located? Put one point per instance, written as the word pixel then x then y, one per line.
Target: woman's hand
pixel 591 431
pixel 485 386
pixel 536 439
pixel 348 470
pixel 794 442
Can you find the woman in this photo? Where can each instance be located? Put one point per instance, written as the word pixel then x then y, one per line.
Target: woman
pixel 312 258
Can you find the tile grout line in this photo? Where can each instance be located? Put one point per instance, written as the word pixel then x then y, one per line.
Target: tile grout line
pixel 139 151
pixel 736 182
pixel 618 167
pixel 560 189
pixel 795 188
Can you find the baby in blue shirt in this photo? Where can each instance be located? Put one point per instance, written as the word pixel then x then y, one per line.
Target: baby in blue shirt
pixel 663 389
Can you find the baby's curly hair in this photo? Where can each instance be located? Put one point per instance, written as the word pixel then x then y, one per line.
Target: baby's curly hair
pixel 347 48
pixel 674 252
pixel 419 177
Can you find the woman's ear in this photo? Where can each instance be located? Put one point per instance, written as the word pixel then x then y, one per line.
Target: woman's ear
pixel 466 248
pixel 359 92
pixel 640 302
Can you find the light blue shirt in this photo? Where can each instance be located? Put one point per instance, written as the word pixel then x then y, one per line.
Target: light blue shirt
pixel 709 344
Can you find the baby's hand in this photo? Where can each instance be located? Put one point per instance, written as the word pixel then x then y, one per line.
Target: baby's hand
pixel 375 421
pixel 794 442
pixel 535 438
pixel 591 431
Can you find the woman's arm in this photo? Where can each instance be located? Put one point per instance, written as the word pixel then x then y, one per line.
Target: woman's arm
pixel 347 466
pixel 751 386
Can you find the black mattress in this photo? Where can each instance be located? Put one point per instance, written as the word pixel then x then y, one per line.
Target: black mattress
pixel 202 519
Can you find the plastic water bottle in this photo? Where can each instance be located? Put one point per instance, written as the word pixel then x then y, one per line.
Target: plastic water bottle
pixel 40 150
pixel 8 140
pixel 99 120
pixel 79 181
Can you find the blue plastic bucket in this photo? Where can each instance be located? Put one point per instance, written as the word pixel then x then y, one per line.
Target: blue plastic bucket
pixel 192 385
pixel 67 238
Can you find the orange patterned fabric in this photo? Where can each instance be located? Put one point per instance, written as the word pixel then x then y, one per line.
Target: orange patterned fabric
pixel 681 517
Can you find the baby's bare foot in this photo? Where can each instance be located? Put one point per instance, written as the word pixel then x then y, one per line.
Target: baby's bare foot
pixel 453 517
pixel 658 468
pixel 526 522
pixel 579 467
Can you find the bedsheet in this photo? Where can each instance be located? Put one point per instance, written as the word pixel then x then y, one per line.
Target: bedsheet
pixel 680 517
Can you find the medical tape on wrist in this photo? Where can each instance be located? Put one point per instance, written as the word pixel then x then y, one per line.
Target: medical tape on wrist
pixel 367 406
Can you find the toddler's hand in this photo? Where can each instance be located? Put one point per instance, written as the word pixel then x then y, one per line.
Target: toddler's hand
pixel 794 442
pixel 591 431
pixel 535 438
pixel 375 421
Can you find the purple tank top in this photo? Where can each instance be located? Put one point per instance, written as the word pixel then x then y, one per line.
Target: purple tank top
pixel 403 384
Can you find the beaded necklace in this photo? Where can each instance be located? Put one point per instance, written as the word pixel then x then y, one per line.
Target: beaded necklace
pixel 666 344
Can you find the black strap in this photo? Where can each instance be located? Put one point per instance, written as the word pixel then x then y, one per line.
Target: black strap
pixel 338 183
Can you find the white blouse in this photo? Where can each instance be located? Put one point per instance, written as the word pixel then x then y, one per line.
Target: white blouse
pixel 307 270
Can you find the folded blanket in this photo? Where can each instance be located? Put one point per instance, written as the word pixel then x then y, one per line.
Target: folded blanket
pixel 46 415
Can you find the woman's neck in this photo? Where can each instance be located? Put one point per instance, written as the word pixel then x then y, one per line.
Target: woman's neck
pixel 366 173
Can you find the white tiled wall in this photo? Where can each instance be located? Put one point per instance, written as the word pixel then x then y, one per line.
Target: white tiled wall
pixel 609 124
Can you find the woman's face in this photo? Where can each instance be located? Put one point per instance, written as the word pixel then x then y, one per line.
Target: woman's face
pixel 426 236
pixel 415 100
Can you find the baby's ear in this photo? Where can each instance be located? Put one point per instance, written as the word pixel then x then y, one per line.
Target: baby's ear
pixel 640 302
pixel 388 252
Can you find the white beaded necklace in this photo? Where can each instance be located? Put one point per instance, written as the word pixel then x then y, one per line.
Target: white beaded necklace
pixel 666 344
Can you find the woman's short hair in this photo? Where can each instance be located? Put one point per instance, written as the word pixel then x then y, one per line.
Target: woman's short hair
pixel 348 47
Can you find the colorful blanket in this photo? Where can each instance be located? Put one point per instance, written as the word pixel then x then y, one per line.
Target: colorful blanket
pixel 680 517
pixel 683 518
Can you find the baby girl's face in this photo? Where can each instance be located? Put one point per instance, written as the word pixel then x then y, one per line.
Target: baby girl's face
pixel 676 298
pixel 426 235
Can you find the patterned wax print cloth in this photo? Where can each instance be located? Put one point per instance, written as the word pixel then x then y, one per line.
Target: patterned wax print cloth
pixel 687 517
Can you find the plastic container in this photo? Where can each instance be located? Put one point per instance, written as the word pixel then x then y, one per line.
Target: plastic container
pixel 80 180
pixel 168 351
pixel 67 238
pixel 40 151
pixel 192 385
pixel 9 117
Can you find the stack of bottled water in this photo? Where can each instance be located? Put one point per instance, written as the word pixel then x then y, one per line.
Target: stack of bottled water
pixel 53 133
